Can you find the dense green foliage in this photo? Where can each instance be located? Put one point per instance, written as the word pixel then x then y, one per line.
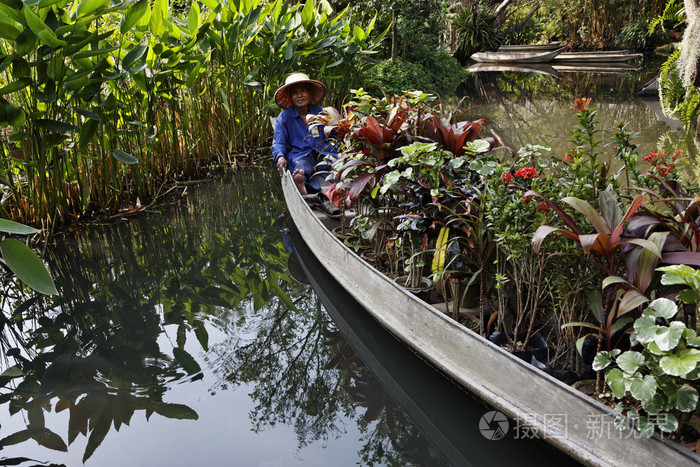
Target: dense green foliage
pixel 436 72
pixel 103 102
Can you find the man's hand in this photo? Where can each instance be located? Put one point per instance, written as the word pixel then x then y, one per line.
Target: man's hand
pixel 281 165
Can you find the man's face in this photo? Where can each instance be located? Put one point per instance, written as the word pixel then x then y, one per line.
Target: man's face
pixel 300 95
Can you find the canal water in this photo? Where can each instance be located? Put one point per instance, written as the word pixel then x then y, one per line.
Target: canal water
pixel 179 337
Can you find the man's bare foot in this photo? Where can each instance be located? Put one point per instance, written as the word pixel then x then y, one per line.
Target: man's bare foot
pixel 298 177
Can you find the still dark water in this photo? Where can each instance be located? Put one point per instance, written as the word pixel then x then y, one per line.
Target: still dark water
pixel 179 338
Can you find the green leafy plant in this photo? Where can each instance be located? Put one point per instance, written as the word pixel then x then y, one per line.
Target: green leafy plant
pixel 476 30
pixel 22 261
pixel 663 376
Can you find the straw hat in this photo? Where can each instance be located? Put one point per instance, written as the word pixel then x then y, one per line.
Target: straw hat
pixel 317 90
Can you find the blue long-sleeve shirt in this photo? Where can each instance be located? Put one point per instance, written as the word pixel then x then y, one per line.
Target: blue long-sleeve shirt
pixel 292 139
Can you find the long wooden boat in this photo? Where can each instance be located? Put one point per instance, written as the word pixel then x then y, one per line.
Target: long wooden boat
pixel 580 425
pixel 517 57
pixel 597 56
pixel 530 47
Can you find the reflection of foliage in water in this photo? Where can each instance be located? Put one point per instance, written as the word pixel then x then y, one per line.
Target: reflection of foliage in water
pixel 95 349
pixel 530 108
pixel 306 375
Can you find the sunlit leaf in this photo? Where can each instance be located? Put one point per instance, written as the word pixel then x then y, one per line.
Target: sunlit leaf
pixel 27 266
pixel 88 6
pixel 630 361
pixel 682 363
pixel 616 381
pixel 643 389
pixel 134 14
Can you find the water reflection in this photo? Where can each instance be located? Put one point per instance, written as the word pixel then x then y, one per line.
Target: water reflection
pixel 166 317
pixel 535 108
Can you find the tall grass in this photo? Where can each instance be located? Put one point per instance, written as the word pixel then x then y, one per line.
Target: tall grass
pixel 102 102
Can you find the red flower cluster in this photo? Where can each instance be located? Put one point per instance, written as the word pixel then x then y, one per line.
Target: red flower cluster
pixel 661 163
pixel 653 156
pixel 569 157
pixel 542 206
pixel 506 178
pixel 526 173
pixel 526 199
pixel 581 104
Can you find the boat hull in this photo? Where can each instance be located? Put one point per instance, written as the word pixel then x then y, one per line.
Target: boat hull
pixel 504 381
pixel 517 57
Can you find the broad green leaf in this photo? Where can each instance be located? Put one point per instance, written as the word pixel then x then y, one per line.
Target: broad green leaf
pixel 589 212
pixel 133 16
pixel 124 157
pixel 616 381
pixel 133 55
pixel 478 146
pixel 88 6
pixel 604 358
pixel 27 266
pixel 667 338
pixel 681 364
pixel 55 125
pixel 12 372
pixel 11 114
pixel 656 404
pixel 176 411
pixel 94 52
pixel 646 329
pixel 662 308
pixel 307 14
pixel 87 114
pixel 88 131
pixel 645 427
pixel 15 86
pixel 683 398
pixel 193 17
pixel 359 33
pixel 667 422
pixel 8 31
pixel 630 361
pixel 41 30
pixel 159 13
pixel 643 389
pixel 13 227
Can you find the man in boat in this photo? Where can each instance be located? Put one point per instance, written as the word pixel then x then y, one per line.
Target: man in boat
pixel 296 147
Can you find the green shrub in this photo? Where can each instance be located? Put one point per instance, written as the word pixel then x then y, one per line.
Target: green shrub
pixel 477 30
pixel 395 77
pixel 443 70
pixel 636 34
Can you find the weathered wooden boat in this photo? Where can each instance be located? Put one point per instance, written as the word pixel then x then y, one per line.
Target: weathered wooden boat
pixel 602 56
pixel 539 68
pixel 530 47
pixel 421 391
pixel 564 417
pixel 517 57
